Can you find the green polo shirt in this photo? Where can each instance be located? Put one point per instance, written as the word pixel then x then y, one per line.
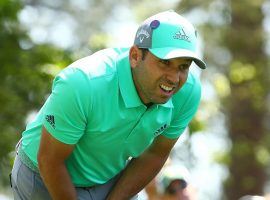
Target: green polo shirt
pixel 94 105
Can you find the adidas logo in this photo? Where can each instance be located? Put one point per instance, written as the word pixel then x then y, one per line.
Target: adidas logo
pixel 160 130
pixel 181 35
pixel 50 119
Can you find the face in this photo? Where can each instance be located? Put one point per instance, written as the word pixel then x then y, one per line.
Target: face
pixel 156 80
pixel 179 190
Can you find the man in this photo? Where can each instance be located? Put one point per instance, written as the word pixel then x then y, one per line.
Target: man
pixel 112 118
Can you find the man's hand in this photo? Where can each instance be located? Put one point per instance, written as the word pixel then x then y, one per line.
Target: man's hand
pixel 140 171
pixel 51 162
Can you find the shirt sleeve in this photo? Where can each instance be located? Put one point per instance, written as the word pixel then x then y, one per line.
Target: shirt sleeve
pixel 184 113
pixel 66 109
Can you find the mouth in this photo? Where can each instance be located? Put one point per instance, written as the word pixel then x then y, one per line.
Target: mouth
pixel 166 89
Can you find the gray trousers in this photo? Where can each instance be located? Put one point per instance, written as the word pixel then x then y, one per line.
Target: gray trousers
pixel 28 185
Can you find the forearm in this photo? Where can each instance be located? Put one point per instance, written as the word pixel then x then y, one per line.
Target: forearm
pixel 137 175
pixel 51 162
pixel 57 181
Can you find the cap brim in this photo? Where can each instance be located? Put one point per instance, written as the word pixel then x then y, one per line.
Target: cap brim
pixel 169 53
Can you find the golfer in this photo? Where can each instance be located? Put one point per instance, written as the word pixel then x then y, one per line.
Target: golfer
pixel 112 118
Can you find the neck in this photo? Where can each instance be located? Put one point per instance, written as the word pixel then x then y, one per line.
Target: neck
pixel 148 105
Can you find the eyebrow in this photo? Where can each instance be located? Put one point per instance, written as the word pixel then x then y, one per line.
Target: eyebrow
pixel 184 59
pixel 187 59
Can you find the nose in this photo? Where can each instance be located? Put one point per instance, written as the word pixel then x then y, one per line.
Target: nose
pixel 174 77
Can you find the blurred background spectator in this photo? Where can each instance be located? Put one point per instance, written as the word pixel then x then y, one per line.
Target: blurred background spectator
pixel 172 183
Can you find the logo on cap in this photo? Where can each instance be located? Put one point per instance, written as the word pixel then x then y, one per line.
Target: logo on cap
pixel 142 34
pixel 181 35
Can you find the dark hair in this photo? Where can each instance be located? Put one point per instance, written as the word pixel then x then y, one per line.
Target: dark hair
pixel 172 189
pixel 144 52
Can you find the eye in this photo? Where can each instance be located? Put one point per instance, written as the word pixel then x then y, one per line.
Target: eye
pixel 165 62
pixel 184 67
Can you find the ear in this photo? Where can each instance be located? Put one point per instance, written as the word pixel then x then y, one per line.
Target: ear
pixel 134 56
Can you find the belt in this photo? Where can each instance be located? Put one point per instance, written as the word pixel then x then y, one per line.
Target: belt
pixel 26 160
pixel 29 163
pixel 87 188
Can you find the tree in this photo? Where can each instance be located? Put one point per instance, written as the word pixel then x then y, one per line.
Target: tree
pixel 25 79
pixel 235 39
pixel 246 106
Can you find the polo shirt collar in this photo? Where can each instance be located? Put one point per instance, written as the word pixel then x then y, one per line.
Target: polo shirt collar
pixel 168 104
pixel 126 84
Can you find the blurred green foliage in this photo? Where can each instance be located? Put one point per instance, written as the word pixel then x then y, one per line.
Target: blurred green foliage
pixel 235 41
pixel 248 73
pixel 25 79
